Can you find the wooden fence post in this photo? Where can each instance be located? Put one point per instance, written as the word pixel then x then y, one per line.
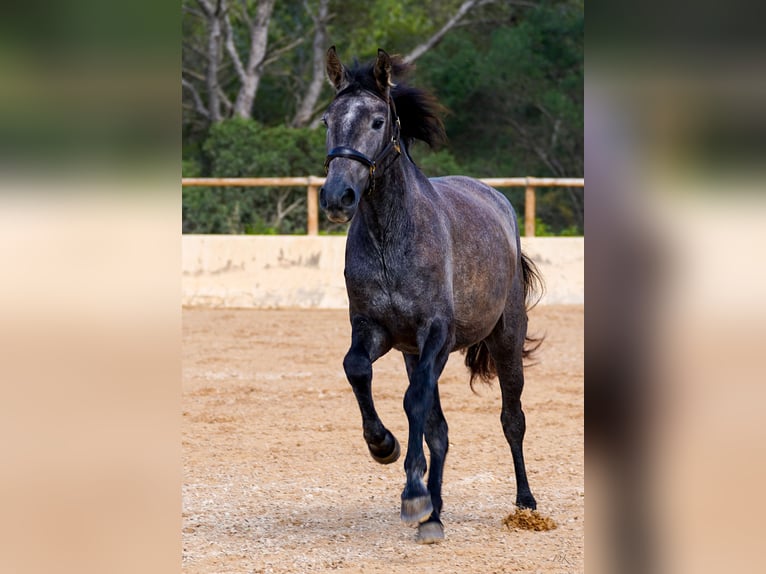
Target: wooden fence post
pixel 312 206
pixel 529 211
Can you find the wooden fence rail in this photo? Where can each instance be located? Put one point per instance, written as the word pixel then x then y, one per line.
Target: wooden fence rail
pixel 313 184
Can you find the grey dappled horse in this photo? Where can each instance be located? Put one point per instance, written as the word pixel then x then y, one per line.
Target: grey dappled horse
pixel 432 266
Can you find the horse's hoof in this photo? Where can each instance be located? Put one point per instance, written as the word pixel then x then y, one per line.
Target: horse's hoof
pixel 430 532
pixel 416 510
pixel 526 501
pixel 393 456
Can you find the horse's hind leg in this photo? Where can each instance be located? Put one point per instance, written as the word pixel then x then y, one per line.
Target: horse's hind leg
pixel 437 440
pixel 436 435
pixel 506 349
pixel 368 342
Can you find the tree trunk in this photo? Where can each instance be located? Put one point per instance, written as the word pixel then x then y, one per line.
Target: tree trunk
pixel 212 15
pixel 259 36
pixel 213 59
pixel 306 108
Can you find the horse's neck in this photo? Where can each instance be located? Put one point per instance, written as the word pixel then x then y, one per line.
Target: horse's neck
pixel 387 208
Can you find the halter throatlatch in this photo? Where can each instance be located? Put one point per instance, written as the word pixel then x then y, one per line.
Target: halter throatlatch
pixel 372 164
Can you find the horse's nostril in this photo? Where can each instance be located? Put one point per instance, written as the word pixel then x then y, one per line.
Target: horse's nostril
pixel 322 198
pixel 348 197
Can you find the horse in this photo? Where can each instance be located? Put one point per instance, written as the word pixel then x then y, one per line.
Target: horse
pixel 432 266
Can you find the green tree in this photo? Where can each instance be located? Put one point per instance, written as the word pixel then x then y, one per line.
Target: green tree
pixel 516 101
pixel 511 74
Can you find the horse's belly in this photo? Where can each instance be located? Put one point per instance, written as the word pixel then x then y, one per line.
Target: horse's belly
pixel 478 307
pixel 402 317
pixel 402 301
pixel 468 334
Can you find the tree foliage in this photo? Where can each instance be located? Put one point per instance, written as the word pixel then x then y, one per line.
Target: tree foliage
pixel 245 148
pixel 509 71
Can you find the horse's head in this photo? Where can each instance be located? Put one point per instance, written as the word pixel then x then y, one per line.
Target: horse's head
pixel 362 131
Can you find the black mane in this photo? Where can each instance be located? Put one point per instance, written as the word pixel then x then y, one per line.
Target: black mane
pixel 419 111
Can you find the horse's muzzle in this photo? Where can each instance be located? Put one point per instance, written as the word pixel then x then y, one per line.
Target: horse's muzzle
pixel 339 203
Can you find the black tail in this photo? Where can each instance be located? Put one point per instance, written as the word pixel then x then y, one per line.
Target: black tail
pixel 480 363
pixel 477 357
pixel 534 288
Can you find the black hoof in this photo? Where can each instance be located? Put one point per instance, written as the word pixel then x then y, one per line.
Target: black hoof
pixel 430 532
pixel 526 501
pixel 416 510
pixel 386 453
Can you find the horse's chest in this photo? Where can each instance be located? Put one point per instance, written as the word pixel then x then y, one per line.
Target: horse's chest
pixel 375 288
pixel 386 294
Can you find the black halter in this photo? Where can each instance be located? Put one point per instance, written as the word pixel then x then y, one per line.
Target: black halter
pixel 350 153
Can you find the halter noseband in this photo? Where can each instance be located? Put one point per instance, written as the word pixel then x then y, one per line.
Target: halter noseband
pixel 372 164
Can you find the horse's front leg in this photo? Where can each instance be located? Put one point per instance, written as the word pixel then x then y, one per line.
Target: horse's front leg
pixel 437 438
pixel 417 504
pixel 369 341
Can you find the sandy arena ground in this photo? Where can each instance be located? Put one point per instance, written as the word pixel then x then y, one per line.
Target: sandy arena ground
pixel 277 477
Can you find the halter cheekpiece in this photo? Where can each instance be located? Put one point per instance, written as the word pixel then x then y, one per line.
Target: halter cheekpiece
pixel 372 164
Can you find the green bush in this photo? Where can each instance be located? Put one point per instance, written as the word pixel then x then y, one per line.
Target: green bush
pixel 245 148
pixel 190 168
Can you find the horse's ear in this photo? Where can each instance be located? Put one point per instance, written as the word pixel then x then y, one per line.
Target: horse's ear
pixel 336 73
pixel 382 72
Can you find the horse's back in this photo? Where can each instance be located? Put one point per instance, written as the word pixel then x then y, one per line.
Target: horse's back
pixel 476 194
pixel 467 200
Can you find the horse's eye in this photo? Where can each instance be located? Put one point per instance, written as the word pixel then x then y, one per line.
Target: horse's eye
pixel 377 124
pixel 324 120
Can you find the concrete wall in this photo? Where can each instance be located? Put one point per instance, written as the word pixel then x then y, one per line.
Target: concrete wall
pixel 300 271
